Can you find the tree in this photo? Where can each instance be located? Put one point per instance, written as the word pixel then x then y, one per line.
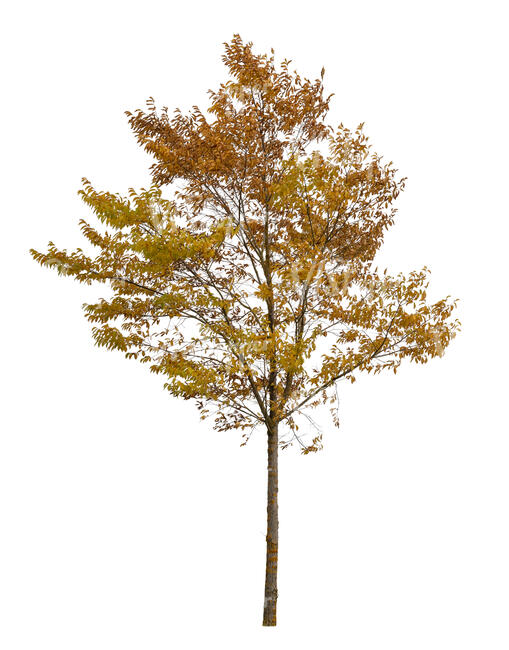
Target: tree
pixel 251 286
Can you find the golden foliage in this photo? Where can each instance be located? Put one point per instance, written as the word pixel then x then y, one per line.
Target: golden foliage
pixel 253 288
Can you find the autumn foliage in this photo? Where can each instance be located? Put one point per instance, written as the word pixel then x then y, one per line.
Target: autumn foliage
pixel 244 275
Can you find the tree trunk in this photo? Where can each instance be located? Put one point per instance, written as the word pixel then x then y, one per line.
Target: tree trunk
pixel 270 602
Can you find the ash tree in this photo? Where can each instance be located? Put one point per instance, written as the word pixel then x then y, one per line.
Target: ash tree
pixel 244 275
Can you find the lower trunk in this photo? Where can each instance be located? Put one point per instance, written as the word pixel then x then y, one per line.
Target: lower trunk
pixel 270 602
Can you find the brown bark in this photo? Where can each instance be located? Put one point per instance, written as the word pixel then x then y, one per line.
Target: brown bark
pixel 270 602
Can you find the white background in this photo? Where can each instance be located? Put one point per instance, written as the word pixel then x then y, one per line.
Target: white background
pixel 126 522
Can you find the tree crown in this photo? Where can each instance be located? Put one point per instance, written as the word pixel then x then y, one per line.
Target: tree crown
pixel 252 288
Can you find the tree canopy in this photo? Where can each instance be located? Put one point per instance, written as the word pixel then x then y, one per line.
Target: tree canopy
pixel 245 274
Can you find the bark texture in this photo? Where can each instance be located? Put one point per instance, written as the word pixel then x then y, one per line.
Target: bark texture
pixel 270 602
